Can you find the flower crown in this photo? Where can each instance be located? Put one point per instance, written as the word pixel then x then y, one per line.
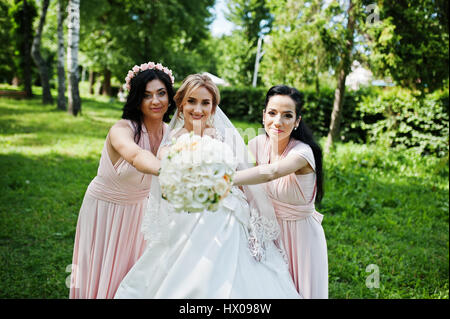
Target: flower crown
pixel 147 66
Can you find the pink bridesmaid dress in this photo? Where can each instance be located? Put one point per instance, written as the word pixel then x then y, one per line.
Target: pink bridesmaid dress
pixel 301 230
pixel 108 239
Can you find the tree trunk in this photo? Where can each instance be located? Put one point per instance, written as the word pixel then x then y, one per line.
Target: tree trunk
pixel 61 72
pixel 107 82
pixel 336 114
pixel 100 87
pixel 316 79
pixel 39 61
pixel 26 47
pixel 339 94
pixel 15 81
pixel 91 82
pixel 72 56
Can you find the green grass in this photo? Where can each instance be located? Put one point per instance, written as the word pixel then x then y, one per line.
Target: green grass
pixel 381 207
pixel 389 209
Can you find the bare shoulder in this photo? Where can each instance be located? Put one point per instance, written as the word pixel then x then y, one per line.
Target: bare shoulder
pixel 121 129
pixel 121 124
pixel 299 162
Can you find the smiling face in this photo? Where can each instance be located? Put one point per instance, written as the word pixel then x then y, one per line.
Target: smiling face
pixel 156 100
pixel 197 109
pixel 280 117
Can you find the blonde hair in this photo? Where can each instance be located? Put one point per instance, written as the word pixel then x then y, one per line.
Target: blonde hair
pixel 193 82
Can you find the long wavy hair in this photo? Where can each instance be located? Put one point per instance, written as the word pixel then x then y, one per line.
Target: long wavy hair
pixel 302 133
pixel 132 108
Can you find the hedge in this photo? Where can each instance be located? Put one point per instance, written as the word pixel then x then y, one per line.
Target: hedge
pixel 247 104
pixel 393 117
pixel 407 120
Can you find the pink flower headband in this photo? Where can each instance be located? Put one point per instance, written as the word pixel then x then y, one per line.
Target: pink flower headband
pixel 147 66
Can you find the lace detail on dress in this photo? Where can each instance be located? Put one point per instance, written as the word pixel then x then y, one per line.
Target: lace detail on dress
pixel 262 230
pixel 284 255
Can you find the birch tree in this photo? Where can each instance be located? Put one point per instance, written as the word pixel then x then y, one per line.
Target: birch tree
pixel 72 56
pixel 60 65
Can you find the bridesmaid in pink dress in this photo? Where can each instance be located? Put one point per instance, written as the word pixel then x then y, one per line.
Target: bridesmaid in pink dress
pixel 290 164
pixel 108 239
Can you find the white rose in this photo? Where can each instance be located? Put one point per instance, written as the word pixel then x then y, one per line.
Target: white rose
pixel 188 195
pixel 221 187
pixel 170 176
pixel 201 194
pixel 218 170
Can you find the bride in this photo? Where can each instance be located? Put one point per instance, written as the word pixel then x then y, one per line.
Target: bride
pixel 233 252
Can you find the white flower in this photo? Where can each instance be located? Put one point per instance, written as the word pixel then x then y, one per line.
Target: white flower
pixel 221 187
pixel 196 175
pixel 218 170
pixel 201 195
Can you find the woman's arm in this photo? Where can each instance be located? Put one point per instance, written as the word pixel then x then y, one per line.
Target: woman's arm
pixel 268 172
pixel 121 139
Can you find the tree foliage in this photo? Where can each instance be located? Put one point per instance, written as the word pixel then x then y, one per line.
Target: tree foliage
pixel 236 53
pixel 410 42
pixel 115 35
pixel 23 13
pixel 7 47
pixel 296 50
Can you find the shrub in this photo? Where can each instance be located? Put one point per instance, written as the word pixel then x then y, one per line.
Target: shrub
pixel 407 121
pixel 243 103
pixel 390 117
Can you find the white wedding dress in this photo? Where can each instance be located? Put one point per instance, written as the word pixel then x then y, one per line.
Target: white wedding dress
pixel 207 255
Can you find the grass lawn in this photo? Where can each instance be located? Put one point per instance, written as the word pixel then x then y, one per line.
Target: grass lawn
pixel 386 212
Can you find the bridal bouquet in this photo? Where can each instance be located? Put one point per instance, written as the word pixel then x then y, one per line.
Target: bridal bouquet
pixel 197 173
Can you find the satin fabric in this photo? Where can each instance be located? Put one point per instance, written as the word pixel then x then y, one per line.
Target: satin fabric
pixel 207 256
pixel 302 234
pixel 108 239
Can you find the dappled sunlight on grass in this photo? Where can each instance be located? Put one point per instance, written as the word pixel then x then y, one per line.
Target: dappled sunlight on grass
pixel 31 128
